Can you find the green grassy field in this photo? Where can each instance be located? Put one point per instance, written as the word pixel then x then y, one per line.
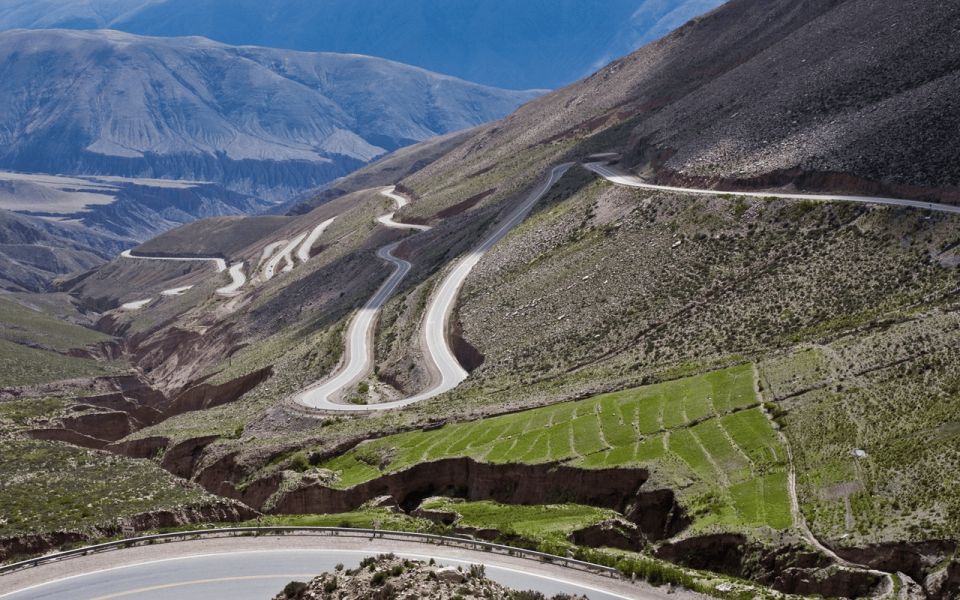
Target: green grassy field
pixel 538 523
pixel 704 435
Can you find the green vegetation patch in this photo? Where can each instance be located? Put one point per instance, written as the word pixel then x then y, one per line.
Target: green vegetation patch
pixel 539 523
pixel 18 414
pixel 876 440
pixel 21 365
pixel 704 435
pixel 366 518
pixel 23 325
pixel 49 486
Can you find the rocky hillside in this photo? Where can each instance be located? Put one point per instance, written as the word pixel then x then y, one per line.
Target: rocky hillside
pixel 516 45
pixel 600 332
pixel 259 121
pixel 34 251
pixel 386 576
pixel 53 225
pixel 854 95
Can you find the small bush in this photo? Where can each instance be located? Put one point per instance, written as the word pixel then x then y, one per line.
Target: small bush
pixel 295 589
pixel 330 586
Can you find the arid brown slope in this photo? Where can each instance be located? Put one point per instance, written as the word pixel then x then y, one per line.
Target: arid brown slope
pixel 784 89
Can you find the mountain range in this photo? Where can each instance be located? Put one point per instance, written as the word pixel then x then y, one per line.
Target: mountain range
pixel 667 291
pixel 504 43
pixel 258 121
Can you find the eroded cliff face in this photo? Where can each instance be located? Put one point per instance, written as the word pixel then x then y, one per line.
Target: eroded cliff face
pixel 787 565
pixel 223 511
pixel 918 560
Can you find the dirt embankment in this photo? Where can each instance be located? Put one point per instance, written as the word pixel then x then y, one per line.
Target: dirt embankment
pixel 97 421
pixel 788 566
pixel 656 512
pixel 224 511
pixel 919 560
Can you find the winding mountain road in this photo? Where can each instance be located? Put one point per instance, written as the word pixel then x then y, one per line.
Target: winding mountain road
pixel 358 360
pixel 387 219
pixel 219 262
pixel 237 276
pixel 286 255
pixel 358 357
pixel 256 568
pixel 303 253
pixel 616 176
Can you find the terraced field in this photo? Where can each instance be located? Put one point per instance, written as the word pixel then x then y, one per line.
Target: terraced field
pixel 704 435
pixel 541 523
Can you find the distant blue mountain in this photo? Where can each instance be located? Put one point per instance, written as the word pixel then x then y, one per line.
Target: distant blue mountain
pixel 516 44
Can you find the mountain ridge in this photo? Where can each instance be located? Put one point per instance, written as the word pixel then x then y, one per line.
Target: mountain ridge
pixel 259 121
pixel 532 44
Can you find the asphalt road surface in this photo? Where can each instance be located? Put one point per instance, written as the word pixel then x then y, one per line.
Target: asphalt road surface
pixel 237 277
pixel 615 176
pixel 359 354
pixel 286 255
pixel 261 574
pixel 387 219
pixel 303 253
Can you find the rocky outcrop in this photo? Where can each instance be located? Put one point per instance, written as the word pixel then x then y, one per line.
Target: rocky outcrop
pixel 386 577
pixel 789 566
pixel 109 426
pixel 612 533
pixel 148 447
pixel 204 396
pixel 658 514
pixel 916 559
pixel 22 546
pixel 181 459
pixel 945 583
pixel 67 436
pixel 223 476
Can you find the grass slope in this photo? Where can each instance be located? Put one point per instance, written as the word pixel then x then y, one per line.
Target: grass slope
pixel 50 486
pixel 539 523
pixel 704 435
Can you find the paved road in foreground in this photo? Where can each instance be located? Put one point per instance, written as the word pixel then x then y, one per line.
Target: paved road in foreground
pixel 234 568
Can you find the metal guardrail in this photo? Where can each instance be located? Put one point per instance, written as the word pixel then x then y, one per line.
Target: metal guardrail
pixel 426 538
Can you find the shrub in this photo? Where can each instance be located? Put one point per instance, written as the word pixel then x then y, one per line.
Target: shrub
pixel 299 462
pixel 295 589
pixel 478 571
